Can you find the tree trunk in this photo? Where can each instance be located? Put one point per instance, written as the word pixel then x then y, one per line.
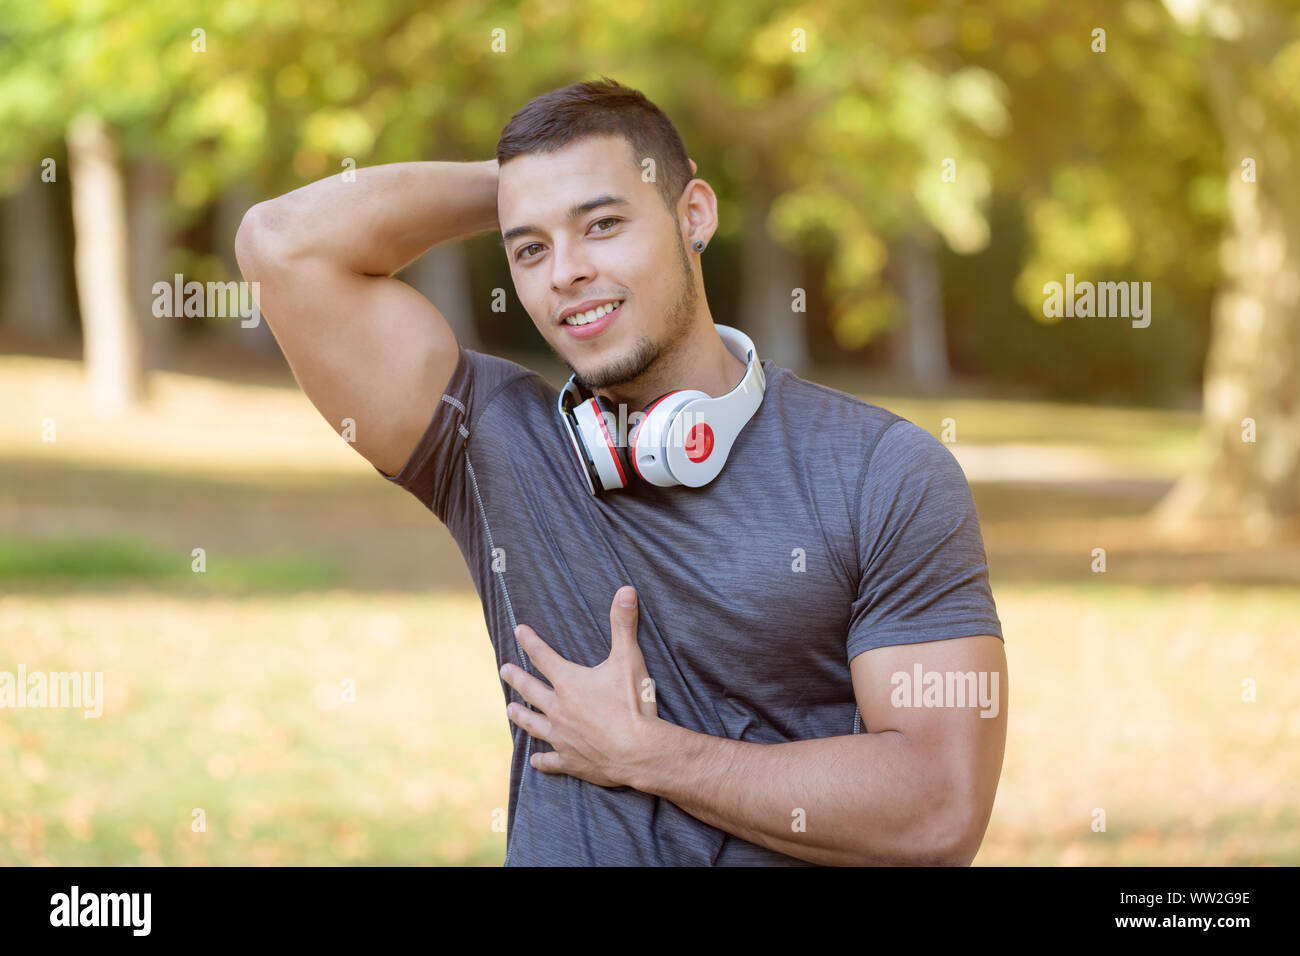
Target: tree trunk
pixel 441 275
pixel 769 275
pixel 114 357
pixel 150 242
pixel 920 343
pixel 35 299
pixel 1252 372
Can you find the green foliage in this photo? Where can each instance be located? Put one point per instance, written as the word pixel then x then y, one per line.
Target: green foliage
pixel 859 127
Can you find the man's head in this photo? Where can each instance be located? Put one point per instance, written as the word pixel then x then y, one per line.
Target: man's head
pixel 594 206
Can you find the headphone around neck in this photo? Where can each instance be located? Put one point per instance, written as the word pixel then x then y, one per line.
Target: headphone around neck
pixel 682 438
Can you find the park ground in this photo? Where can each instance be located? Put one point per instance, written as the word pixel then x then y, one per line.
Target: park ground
pixel 226 692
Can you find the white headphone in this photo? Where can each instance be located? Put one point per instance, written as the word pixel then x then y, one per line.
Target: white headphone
pixel 682 438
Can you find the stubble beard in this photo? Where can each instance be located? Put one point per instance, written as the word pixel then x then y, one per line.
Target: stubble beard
pixel 645 354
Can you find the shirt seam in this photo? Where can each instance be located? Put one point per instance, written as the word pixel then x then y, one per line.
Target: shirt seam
pixel 500 577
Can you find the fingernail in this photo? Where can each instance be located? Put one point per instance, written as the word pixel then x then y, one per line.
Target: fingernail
pixel 628 599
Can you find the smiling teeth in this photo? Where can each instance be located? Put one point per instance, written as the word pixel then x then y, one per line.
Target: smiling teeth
pixel 586 318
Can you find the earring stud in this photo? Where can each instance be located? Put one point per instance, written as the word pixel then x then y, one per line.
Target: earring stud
pixel 698 245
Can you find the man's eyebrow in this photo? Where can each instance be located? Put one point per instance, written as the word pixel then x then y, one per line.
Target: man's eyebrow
pixel 574 212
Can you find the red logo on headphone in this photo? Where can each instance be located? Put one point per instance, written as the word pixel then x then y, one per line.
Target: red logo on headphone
pixel 699 443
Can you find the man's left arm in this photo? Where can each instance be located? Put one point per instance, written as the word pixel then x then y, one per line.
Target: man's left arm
pixel 917 788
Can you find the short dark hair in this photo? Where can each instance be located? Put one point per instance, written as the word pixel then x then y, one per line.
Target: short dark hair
pixel 601 107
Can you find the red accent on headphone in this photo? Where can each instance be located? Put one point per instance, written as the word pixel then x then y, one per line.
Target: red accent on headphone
pixel 609 442
pixel 699 442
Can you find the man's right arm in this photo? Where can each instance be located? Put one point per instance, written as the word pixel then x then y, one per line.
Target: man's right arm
pixel 362 344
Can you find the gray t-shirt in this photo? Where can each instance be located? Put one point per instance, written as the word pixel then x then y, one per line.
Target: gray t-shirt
pixel 834 528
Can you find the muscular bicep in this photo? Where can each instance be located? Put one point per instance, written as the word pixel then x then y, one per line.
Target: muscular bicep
pixel 369 349
pixel 949 699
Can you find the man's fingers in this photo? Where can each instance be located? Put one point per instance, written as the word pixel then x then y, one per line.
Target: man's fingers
pixel 533 723
pixel 545 660
pixel 529 687
pixel 623 616
pixel 623 622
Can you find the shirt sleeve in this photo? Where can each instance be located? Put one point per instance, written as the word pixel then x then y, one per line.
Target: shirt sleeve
pixel 435 471
pixel 924 573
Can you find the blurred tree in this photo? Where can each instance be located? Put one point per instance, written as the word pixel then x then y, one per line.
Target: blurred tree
pixel 114 356
pixel 107 74
pixel 1250 472
pixel 875 143
pixel 880 158
pixel 1130 180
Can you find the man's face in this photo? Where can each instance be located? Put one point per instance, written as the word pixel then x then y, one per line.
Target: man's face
pixel 628 248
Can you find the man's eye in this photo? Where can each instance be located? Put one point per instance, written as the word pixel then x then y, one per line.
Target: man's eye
pixel 522 251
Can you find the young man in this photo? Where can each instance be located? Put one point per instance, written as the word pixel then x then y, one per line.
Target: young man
pixel 834 563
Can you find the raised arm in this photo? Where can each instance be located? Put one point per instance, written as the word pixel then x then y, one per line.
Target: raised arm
pixel 362 344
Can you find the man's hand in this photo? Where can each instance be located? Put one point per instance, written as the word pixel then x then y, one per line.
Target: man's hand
pixel 594 717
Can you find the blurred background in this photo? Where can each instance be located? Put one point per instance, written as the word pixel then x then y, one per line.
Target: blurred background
pixel 324 691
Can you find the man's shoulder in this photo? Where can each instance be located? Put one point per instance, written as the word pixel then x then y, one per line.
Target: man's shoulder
pixel 497 369
pixel 881 439
pixel 494 380
pixel 823 407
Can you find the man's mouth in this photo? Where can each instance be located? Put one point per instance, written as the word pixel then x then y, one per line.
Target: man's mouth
pixel 588 325
pixel 586 318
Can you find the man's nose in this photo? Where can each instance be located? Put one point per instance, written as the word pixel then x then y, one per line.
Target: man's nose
pixel 570 264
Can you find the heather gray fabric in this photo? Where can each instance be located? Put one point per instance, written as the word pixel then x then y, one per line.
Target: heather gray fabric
pixel 740 642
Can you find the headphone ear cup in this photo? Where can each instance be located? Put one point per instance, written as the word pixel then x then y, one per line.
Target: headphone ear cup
pixel 649 448
pixel 633 436
pixel 599 434
pixel 570 396
pixel 620 438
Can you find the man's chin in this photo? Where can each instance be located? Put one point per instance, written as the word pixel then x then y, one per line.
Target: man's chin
pixel 620 369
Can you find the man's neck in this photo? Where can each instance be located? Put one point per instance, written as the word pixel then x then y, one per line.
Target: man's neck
pixel 701 361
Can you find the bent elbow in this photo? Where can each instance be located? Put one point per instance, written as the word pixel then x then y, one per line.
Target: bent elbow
pixel 250 241
pixel 958 837
pixel 261 242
